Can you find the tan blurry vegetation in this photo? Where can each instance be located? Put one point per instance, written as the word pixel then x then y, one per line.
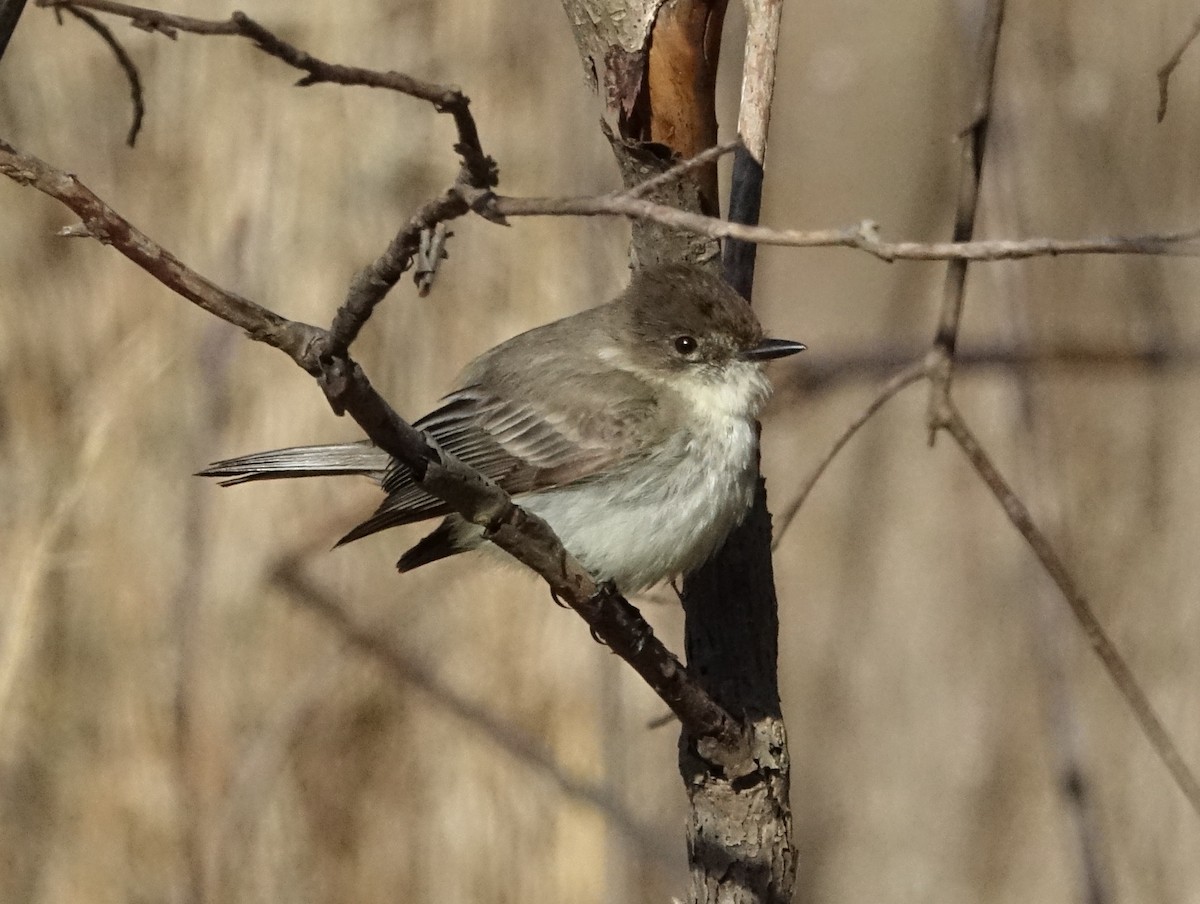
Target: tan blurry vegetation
pixel 911 613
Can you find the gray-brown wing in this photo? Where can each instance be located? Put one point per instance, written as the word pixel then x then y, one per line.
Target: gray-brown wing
pixel 520 444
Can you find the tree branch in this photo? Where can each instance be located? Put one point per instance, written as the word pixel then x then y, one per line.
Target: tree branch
pixel 863 236
pixel 754 119
pixel 906 377
pixel 739 829
pixel 124 61
pixel 1114 664
pixel 524 536
pixel 680 170
pixel 1152 726
pixel 974 142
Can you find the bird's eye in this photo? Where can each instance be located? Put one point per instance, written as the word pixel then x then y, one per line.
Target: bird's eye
pixel 685 345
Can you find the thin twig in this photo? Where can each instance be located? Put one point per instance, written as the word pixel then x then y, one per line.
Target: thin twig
pixel 1153 728
pixel 372 283
pixel 906 377
pixel 863 236
pixel 1049 624
pixel 754 122
pixel 974 142
pixel 127 65
pixel 151 20
pixel 681 169
pixel 1168 68
pixel 477 176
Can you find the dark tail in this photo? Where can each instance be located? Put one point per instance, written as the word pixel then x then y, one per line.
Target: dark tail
pixel 452 536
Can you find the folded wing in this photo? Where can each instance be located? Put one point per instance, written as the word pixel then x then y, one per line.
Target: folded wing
pixel 521 444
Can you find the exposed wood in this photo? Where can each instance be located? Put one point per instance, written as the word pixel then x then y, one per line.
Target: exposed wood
pixel 739 825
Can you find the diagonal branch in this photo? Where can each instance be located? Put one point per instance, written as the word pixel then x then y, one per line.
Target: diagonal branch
pixel 679 170
pixel 372 283
pixel 477 176
pixel 1156 733
pixel 904 378
pixel 124 61
pixel 1110 657
pixel 524 536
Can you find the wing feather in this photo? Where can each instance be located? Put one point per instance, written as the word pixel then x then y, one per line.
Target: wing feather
pixel 522 444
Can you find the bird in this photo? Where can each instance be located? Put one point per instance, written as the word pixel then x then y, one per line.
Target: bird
pixel 630 427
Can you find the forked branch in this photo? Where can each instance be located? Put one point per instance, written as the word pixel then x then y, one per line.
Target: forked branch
pixel 524 536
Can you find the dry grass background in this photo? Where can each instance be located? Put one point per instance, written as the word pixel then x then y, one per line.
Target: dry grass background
pixel 174 728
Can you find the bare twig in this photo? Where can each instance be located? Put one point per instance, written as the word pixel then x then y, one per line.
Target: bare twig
pixel 1168 68
pixel 1153 728
pixel 681 169
pixel 151 20
pixel 524 536
pixel 863 236
pixel 101 222
pixel 1049 623
pixel 906 377
pixel 372 283
pixel 974 141
pixel 754 121
pixel 471 189
pixel 127 65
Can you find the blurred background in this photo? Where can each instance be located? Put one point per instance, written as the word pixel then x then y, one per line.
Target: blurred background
pixel 178 724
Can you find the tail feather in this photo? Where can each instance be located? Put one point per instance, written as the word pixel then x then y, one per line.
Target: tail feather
pixel 452 536
pixel 302 461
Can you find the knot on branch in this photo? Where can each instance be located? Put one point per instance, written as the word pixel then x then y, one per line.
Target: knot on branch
pixel 481 201
pixel 480 170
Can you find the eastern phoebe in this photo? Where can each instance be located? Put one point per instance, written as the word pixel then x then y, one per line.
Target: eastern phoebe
pixel 630 428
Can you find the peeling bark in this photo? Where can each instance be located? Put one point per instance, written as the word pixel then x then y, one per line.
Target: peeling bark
pixel 658 83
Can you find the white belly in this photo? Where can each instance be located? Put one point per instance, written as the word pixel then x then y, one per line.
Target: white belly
pixel 667 515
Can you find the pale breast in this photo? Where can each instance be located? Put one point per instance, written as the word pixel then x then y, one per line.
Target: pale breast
pixel 668 513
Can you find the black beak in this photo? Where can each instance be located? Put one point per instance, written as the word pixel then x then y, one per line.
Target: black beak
pixel 773 348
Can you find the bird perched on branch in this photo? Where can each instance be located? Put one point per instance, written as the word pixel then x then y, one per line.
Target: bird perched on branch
pixel 630 428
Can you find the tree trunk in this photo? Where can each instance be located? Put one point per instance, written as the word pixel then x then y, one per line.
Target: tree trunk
pixel 655 67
